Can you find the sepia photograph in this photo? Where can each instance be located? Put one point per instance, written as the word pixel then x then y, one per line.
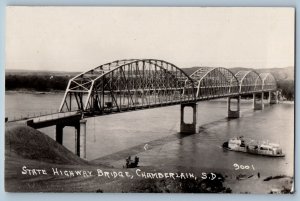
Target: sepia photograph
pixel 150 99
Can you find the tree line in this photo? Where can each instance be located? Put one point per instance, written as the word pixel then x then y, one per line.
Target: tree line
pixel 43 83
pixel 287 88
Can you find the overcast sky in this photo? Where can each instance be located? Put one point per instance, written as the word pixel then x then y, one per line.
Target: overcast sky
pixel 80 38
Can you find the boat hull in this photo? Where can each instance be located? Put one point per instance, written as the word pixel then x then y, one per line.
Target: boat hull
pixel 262 153
pixel 254 152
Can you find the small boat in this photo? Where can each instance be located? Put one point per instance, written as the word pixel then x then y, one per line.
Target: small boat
pixel 253 147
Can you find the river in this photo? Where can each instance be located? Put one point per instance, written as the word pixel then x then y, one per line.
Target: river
pixel 153 134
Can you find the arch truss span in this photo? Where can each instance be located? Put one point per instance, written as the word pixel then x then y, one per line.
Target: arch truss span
pixel 268 81
pixel 249 82
pixel 215 83
pixel 127 85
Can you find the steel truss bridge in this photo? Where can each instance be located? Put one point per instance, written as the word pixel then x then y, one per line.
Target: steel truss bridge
pixel 131 84
pixel 127 85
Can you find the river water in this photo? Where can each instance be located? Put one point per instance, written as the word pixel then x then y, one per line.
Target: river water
pixel 153 134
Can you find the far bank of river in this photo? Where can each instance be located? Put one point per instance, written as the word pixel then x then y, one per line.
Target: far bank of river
pixel 28 91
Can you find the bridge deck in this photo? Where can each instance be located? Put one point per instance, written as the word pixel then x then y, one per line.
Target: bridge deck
pixel 74 116
pixel 68 118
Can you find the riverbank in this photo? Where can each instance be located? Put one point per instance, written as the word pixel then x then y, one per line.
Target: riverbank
pixel 36 163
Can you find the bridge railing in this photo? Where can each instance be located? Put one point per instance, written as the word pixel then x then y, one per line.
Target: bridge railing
pixel 47 115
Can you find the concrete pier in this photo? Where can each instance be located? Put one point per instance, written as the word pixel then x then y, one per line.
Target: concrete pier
pixel 234 113
pixel 80 135
pixel 189 128
pixel 77 139
pixel 82 139
pixel 258 101
pixel 59 134
pixel 273 97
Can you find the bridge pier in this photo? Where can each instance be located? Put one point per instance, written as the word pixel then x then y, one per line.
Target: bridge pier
pixel 258 101
pixel 80 136
pixel 59 133
pixel 234 113
pixel 82 140
pixel 188 128
pixel 273 97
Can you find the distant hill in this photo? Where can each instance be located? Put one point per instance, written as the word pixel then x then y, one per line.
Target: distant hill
pixel 190 70
pixel 286 73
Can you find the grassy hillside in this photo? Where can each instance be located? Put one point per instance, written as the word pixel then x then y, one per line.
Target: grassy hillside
pixel 28 143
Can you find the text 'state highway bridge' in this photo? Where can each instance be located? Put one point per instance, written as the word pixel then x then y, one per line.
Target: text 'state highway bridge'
pixel 136 84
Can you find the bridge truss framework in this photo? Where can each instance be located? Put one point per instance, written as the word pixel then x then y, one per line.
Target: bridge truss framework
pixel 144 83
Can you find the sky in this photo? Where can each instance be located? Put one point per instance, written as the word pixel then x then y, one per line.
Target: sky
pixel 81 38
